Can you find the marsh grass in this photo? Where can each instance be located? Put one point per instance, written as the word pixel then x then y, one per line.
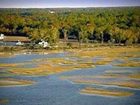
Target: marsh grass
pixel 110 53
pixel 60 61
pixel 3 65
pixel 4 82
pixel 124 83
pixel 102 62
pixel 125 74
pixel 82 59
pixel 104 92
pixel 48 68
pixel 51 66
pixel 134 76
pixel 130 64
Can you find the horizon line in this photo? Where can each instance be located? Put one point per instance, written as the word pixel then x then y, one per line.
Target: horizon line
pixel 69 7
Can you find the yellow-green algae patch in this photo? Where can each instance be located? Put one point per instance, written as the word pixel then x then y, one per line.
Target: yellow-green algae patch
pixel 103 92
pixel 7 82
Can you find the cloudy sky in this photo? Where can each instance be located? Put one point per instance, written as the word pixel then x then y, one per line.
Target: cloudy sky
pixel 66 3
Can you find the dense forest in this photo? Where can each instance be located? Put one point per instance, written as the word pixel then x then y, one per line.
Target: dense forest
pixel 116 25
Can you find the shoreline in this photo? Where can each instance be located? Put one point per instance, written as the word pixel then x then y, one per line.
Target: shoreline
pixel 9 50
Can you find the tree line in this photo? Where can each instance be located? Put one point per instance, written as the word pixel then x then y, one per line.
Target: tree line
pixel 116 25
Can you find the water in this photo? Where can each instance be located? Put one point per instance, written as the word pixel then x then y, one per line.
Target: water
pixel 21 58
pixel 7 43
pixel 51 90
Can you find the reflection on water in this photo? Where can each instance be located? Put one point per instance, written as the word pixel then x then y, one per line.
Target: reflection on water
pixel 52 90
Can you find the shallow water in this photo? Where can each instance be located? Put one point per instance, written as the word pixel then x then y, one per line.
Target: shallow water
pixel 21 58
pixel 51 90
pixel 7 43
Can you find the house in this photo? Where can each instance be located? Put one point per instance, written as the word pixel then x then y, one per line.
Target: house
pixel 2 36
pixel 43 44
pixel 19 43
pixel 52 12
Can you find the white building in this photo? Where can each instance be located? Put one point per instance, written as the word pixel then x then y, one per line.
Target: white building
pixel 1 36
pixel 19 43
pixel 51 12
pixel 43 44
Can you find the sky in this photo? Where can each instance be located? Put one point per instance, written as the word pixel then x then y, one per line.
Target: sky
pixel 66 3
